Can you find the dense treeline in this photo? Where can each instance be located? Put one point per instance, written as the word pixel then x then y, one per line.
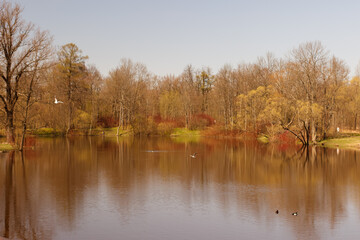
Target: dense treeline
pixel 308 93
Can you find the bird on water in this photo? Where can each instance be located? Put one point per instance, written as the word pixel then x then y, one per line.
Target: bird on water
pixel 277 211
pixel 295 214
pixel 193 155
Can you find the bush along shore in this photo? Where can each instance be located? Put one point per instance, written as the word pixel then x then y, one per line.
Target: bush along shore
pixel 5 147
pixel 340 140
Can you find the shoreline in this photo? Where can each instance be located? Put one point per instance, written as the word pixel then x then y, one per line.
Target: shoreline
pixel 343 141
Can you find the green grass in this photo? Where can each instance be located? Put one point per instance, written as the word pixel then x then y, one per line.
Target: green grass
pixel 182 135
pixel 263 139
pixel 6 147
pixel 50 132
pixel 345 142
pixel 184 132
pixel 46 132
pixel 112 132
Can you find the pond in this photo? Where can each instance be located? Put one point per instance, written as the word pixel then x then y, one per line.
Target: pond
pixel 151 188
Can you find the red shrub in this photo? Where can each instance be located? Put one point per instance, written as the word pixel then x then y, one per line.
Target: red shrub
pixel 286 137
pixel 201 121
pixel 107 121
pixel 285 140
pixel 168 121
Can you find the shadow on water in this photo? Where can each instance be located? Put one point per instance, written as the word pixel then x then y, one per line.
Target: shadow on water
pixel 63 183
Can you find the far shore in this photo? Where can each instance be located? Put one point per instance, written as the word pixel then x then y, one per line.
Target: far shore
pixel 344 140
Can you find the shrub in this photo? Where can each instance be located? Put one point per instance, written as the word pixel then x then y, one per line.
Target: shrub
pixel 82 119
pixel 107 122
pixel 201 121
pixel 165 128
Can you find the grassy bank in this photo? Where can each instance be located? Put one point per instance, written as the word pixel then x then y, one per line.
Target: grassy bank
pixel 46 132
pixel 182 135
pixel 112 132
pixel 352 142
pixel 4 147
pixel 51 132
pixel 184 132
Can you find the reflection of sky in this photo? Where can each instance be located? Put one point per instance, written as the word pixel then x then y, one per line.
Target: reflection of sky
pixel 165 210
pixel 227 192
pixel 168 35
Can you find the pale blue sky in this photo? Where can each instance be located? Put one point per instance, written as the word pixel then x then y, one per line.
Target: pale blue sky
pixel 168 35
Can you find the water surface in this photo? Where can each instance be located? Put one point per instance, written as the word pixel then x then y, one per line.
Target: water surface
pixel 150 188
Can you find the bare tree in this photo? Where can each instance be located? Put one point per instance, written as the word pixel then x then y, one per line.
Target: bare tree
pixel 33 79
pixel 94 81
pixel 23 49
pixel 226 94
pixel 126 87
pixel 118 87
pixel 305 74
pixel 188 93
pixel 334 80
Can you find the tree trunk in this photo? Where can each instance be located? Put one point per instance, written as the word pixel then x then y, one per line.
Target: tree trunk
pixel 91 118
pixel 355 121
pixel 118 129
pixel 23 132
pixel 70 118
pixel 69 98
pixel 26 113
pixel 313 131
pixel 10 130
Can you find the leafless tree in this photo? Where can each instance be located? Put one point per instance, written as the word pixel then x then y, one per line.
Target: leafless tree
pixel 23 49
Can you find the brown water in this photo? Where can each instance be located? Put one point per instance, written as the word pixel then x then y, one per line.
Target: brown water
pixel 150 188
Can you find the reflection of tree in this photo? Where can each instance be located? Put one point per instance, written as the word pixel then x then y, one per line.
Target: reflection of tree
pixel 8 192
pixel 19 218
pixel 64 174
pixel 312 179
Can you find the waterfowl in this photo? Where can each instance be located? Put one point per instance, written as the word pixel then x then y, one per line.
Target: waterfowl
pixel 56 101
pixel 295 214
pixel 193 155
pixel 277 211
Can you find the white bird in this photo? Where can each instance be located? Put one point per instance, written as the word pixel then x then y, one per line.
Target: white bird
pixel 193 155
pixel 56 101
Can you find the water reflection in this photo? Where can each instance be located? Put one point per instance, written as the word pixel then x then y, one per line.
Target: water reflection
pixel 150 188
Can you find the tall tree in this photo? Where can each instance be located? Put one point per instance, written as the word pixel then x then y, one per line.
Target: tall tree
pixel 205 81
pixel 352 97
pixel 23 49
pixel 306 73
pixel 188 93
pixel 336 76
pixel 94 82
pixel 126 88
pixel 118 88
pixel 72 74
pixel 226 91
pixel 29 89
